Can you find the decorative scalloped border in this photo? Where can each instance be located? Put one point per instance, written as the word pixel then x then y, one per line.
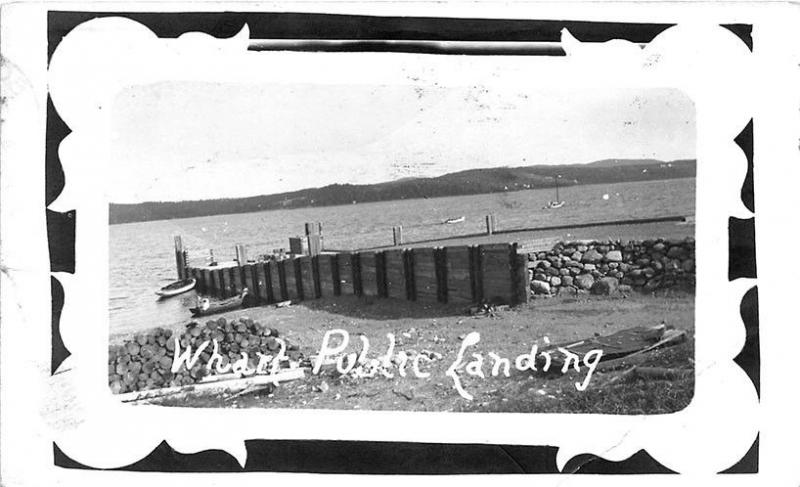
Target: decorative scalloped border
pixel 504 458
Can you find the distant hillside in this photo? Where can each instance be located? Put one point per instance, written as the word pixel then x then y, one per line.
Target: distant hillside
pixel 472 181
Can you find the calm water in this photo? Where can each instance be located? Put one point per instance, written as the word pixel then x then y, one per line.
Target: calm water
pixel 142 254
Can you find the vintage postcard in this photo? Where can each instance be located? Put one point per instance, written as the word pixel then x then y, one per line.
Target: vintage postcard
pixel 246 241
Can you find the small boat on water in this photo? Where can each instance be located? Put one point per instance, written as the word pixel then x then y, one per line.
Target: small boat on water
pixel 206 307
pixel 556 203
pixel 451 221
pixel 177 287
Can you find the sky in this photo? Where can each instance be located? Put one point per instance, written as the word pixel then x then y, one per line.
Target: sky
pixel 179 140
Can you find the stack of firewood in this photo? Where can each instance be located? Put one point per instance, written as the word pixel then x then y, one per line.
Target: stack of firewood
pixel 145 361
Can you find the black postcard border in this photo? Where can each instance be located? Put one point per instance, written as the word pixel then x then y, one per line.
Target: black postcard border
pixel 363 457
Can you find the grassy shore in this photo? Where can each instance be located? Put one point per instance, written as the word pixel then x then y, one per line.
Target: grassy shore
pixel 440 329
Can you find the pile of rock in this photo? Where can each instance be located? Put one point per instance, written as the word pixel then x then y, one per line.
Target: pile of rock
pixel 606 267
pixel 145 361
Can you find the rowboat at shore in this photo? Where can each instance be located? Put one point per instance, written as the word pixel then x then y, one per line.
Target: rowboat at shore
pixel 177 287
pixel 206 307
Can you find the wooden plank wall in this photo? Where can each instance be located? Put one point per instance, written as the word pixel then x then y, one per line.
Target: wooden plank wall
pixel 290 278
pixel 425 276
pixel 208 284
pixel 307 277
pixel 346 281
pixel 227 284
pixel 368 265
pixel 263 283
pixel 276 281
pixel 459 271
pixel 396 269
pixel 494 273
pixel 250 282
pixel 237 280
pixel 327 269
pixel 497 268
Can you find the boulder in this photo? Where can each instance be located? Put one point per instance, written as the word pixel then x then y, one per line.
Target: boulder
pixel 576 256
pixel 659 247
pixel 540 287
pixel 614 256
pixel 592 256
pixel 567 281
pixel 652 284
pixel 688 265
pixel 584 281
pixel 553 271
pixel 589 267
pixel 582 248
pixel 540 276
pixel 555 281
pixel 676 252
pixel 605 286
pixel 563 271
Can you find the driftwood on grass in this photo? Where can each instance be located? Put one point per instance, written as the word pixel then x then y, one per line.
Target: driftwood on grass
pixel 215 386
pixel 670 337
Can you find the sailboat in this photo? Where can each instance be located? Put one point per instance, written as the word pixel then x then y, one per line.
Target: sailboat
pixel 557 203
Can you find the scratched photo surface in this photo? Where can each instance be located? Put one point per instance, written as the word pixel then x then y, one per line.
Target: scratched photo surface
pixel 410 232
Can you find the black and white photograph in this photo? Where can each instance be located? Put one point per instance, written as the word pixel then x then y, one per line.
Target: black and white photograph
pixel 416 243
pixel 393 239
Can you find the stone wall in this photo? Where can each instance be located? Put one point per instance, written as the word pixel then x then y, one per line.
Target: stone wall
pixel 611 266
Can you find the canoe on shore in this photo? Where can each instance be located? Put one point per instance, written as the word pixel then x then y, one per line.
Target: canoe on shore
pixel 177 287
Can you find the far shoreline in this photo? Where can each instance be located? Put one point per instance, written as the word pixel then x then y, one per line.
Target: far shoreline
pixel 390 201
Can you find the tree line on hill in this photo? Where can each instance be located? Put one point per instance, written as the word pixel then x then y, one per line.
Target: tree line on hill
pixel 471 181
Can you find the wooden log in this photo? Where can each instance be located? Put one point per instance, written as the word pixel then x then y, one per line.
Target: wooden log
pixel 180 260
pixel 496 273
pixel 395 268
pixel 241 254
pixel 521 277
pixel 263 283
pixel 344 262
pixel 440 255
pixel 276 280
pixel 459 274
pixel 313 228
pixel 208 283
pixel 326 266
pixel 237 277
pixel 215 386
pixel 201 283
pixel 227 281
pixel 368 265
pixel 397 235
pixel 426 285
pixel 290 272
pixel 250 282
pixel 218 283
pixel 314 244
pixel 491 222
pixel 307 288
